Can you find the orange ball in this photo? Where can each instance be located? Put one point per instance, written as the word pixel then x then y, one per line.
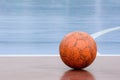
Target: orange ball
pixel 78 50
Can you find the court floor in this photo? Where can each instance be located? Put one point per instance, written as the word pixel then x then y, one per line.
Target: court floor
pixel 36 27
pixel 52 68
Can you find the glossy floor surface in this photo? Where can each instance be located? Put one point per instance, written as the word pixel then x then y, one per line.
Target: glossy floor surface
pixel 52 68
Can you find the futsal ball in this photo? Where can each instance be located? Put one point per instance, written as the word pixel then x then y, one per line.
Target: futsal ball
pixel 78 50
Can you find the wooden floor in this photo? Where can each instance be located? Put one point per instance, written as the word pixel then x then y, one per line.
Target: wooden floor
pixel 52 68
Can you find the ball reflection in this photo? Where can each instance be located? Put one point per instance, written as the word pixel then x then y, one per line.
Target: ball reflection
pixel 77 75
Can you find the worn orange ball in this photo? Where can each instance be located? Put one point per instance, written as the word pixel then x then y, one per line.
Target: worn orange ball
pixel 78 50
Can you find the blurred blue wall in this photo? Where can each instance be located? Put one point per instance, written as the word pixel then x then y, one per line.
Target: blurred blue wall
pixel 36 27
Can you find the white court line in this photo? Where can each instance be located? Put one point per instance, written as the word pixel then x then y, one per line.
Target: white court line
pixel 94 35
pixel 100 33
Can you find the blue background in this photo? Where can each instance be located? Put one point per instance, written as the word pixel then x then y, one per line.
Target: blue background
pixel 36 27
